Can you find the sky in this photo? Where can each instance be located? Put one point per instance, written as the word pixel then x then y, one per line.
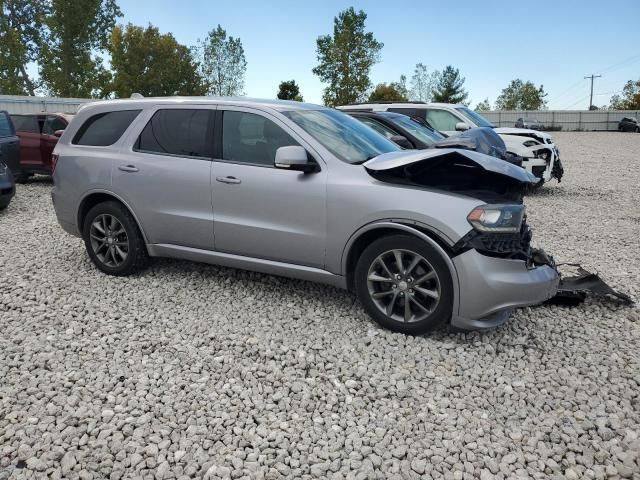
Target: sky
pixel 553 43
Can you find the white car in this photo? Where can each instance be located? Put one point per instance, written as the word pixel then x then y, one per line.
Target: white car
pixel 541 156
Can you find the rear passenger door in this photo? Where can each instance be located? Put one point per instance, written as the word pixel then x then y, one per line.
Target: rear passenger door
pixel 261 211
pixel 51 124
pixel 28 129
pixel 164 175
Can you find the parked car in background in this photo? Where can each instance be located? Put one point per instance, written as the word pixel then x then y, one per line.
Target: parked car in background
pixel 39 133
pixel 300 190
pixel 530 123
pixel 541 155
pixel 7 185
pixel 629 124
pixel 414 133
pixel 9 158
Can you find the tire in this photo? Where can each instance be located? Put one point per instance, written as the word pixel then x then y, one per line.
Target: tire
pixel 430 274
pixel 114 253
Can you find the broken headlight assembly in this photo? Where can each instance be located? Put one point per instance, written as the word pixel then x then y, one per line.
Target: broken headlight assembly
pixel 497 218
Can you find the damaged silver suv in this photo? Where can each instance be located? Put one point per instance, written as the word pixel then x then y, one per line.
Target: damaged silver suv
pixel 287 188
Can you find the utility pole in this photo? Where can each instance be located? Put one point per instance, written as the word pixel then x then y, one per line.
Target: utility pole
pixel 592 76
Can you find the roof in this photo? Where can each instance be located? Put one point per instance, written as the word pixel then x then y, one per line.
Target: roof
pixel 403 104
pixel 280 105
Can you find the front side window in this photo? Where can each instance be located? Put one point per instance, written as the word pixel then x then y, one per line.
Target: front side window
pixel 104 129
pixel 475 117
pixel 442 120
pixel 423 133
pixel 377 126
pixel 180 131
pixel 26 123
pixel 5 126
pixel 344 136
pixel 251 138
pixel 52 124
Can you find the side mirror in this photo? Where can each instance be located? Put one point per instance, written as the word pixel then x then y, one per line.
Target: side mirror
pixel 295 158
pixel 58 133
pixel 461 127
pixel 402 141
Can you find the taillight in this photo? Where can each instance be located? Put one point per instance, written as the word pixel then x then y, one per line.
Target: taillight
pixel 54 161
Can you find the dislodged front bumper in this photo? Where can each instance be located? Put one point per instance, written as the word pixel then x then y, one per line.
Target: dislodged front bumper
pixel 490 287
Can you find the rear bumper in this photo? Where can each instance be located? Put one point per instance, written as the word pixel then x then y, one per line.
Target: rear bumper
pixel 490 288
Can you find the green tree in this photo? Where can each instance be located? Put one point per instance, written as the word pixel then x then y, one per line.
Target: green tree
pixel 76 30
pixel 222 63
pixel 387 92
pixel 289 90
pixel 346 57
pixel 449 87
pixel 21 35
pixel 422 83
pixel 150 63
pixel 630 99
pixel 519 95
pixel 483 106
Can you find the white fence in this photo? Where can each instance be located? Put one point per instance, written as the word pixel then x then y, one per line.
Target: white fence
pixel 564 119
pixel 20 104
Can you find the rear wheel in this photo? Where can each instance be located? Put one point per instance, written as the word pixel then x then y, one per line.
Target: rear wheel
pixel 113 241
pixel 404 284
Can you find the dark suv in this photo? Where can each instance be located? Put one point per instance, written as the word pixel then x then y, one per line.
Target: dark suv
pixel 629 124
pixel 9 158
pixel 39 133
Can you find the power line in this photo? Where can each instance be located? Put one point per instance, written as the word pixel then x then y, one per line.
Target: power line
pixel 591 97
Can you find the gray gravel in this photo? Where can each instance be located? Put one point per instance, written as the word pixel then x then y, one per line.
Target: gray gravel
pixel 190 370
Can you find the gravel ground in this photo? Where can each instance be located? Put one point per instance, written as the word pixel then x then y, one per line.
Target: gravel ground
pixel 190 370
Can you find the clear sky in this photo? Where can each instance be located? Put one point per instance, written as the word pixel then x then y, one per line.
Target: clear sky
pixel 554 43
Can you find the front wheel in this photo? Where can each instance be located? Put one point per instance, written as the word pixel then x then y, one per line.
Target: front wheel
pixel 113 241
pixel 404 284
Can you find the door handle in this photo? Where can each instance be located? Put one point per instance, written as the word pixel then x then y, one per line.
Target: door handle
pixel 128 168
pixel 231 180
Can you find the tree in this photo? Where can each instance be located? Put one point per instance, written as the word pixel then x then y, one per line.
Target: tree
pixel 76 30
pixel 387 93
pixel 346 57
pixel 449 87
pixel 150 63
pixel 222 63
pixel 483 106
pixel 21 36
pixel 422 83
pixel 289 91
pixel 519 95
pixel 630 99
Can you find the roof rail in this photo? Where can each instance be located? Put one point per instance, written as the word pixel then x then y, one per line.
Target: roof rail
pixel 383 103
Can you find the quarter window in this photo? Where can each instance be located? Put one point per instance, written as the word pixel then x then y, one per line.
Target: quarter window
pixel 251 138
pixel 178 131
pixel 105 128
pixel 442 120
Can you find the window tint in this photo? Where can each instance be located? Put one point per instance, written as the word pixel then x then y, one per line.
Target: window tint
pixel 26 123
pixel 52 124
pixel 180 131
pixel 5 125
pixel 104 129
pixel 378 127
pixel 251 138
pixel 442 120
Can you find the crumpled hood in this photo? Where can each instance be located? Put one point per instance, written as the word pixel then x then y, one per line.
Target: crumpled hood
pixel 525 132
pixel 391 160
pixel 480 139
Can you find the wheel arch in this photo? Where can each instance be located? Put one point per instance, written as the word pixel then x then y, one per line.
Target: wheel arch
pixel 96 197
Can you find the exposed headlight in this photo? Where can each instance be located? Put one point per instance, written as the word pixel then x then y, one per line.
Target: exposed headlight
pixel 530 143
pixel 497 218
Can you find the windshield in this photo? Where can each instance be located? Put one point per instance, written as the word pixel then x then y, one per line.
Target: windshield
pixel 347 138
pixel 421 132
pixel 475 117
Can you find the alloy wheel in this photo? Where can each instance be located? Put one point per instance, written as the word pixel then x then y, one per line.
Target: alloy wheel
pixel 109 240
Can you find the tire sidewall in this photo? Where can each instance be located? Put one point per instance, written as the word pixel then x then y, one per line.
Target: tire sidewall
pixel 112 208
pixel 443 311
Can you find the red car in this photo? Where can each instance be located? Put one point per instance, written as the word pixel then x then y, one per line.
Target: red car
pixel 38 133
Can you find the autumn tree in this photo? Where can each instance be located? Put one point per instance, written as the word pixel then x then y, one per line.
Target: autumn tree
pixel 630 99
pixel 483 106
pixel 519 95
pixel 150 63
pixel 76 32
pixel 388 92
pixel 449 87
pixel 222 63
pixel 289 90
pixel 346 57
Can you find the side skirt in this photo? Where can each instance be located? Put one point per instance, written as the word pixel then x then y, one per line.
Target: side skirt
pixel 248 263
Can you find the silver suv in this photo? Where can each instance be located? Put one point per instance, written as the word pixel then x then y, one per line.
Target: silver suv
pixel 293 189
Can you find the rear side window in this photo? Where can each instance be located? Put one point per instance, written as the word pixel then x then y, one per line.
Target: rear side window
pixel 5 125
pixel 179 131
pixel 26 123
pixel 52 124
pixel 104 129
